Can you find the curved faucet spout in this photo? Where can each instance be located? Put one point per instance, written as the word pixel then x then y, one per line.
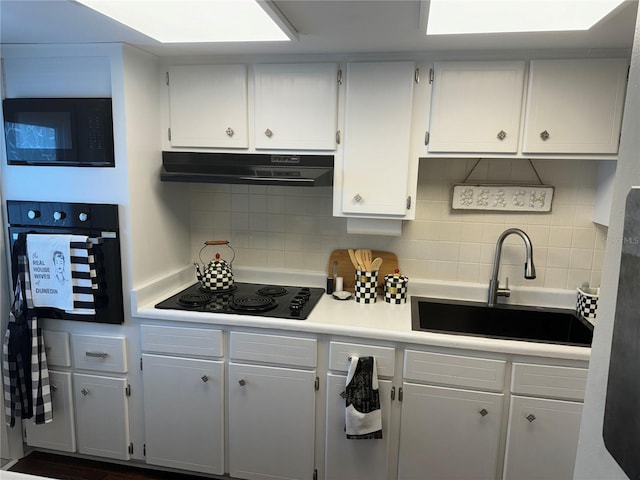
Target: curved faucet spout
pixel 529 267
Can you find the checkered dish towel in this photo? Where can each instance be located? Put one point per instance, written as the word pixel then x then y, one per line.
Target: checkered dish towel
pixel 25 376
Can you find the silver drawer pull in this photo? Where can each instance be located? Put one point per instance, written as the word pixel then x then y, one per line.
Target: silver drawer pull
pixel 204 378
pixel 531 417
pixel 242 382
pixel 484 412
pixel 84 392
pixel 97 354
pixel 53 387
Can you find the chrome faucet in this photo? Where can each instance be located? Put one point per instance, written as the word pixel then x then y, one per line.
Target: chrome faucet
pixel 529 269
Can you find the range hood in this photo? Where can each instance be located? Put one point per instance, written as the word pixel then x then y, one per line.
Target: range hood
pixel 253 169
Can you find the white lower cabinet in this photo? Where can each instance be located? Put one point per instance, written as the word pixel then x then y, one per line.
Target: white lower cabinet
pixel 271 406
pixel 542 439
pixel 448 433
pixel 102 417
pixel 184 413
pixel 271 422
pixel 60 433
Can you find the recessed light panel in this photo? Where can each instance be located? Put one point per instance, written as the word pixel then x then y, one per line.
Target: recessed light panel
pixel 194 21
pixel 448 17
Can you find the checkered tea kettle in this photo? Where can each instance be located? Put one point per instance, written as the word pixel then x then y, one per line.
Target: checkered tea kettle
pixel 217 275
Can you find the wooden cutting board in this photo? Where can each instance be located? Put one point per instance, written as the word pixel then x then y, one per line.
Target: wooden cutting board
pixel 340 265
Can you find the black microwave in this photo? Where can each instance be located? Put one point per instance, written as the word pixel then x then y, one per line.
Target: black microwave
pixel 75 132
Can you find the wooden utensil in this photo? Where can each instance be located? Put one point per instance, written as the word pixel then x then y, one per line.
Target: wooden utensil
pixel 360 260
pixel 347 269
pixel 376 264
pixel 352 256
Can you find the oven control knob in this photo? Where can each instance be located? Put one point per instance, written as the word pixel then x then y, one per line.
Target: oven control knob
pixel 83 217
pixel 295 307
pixel 57 216
pixel 33 214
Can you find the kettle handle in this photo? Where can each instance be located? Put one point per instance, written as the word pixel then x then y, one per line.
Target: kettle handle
pixel 217 242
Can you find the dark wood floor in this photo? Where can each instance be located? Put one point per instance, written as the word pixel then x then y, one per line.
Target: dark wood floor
pixel 70 468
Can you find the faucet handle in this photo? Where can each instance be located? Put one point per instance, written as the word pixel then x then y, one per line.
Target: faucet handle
pixel 506 281
pixel 503 291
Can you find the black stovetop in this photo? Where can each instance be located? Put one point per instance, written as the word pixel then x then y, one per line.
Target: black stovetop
pixel 277 301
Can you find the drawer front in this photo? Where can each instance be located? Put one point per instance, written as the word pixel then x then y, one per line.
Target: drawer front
pixel 94 352
pixel 549 381
pixel 57 350
pixel 340 354
pixel 181 341
pixel 454 370
pixel 278 349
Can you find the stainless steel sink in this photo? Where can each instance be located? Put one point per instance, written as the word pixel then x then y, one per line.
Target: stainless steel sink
pixel 512 322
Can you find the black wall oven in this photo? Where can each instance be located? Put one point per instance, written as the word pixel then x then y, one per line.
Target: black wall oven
pixel 99 223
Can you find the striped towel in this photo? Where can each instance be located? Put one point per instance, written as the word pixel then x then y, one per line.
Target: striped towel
pixel 83 275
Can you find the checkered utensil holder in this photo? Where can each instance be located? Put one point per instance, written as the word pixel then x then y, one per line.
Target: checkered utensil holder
pixel 395 288
pixel 587 304
pixel 366 287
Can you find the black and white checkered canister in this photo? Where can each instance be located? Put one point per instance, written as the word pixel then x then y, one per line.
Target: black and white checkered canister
pixel 366 287
pixel 587 304
pixel 395 288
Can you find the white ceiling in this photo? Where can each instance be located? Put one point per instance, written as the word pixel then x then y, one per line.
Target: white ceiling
pixel 324 26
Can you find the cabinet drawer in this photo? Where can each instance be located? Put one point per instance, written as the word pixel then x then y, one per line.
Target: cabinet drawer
pixel 56 345
pixel 340 354
pixel 273 349
pixel 549 381
pixel 181 341
pixel 455 370
pixel 93 352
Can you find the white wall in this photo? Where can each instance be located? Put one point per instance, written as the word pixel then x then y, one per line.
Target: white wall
pixel 293 228
pixel 593 460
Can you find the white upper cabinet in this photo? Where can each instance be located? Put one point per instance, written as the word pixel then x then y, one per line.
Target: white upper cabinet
pixel 377 131
pixel 296 106
pixel 208 106
pixel 575 106
pixel 476 106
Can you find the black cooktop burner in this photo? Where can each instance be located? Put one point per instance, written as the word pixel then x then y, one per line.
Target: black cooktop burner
pixel 272 291
pixel 258 303
pixel 248 299
pixel 233 288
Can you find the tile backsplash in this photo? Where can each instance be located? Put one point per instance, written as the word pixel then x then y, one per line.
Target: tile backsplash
pixel 293 228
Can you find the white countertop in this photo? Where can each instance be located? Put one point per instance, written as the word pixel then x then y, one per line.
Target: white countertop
pixel 377 321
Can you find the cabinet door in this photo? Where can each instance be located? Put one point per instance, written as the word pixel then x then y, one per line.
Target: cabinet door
pixel 208 106
pixel 58 434
pixel 476 107
pixel 377 129
pixel 296 106
pixel 348 459
pixel 102 417
pixel 542 439
pixel 184 413
pixel 271 422
pixel 575 106
pixel 448 433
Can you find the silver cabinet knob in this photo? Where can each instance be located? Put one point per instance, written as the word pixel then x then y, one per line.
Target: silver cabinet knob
pixel 484 412
pixel 230 131
pixel 501 135
pixel 544 135
pixel 357 198
pixel 204 378
pixel 268 133
pixel 242 382
pixel 84 392
pixel 531 417
pixel 53 387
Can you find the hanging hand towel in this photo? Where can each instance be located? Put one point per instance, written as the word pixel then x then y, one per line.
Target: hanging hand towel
pixel 49 259
pixel 363 418
pixel 83 275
